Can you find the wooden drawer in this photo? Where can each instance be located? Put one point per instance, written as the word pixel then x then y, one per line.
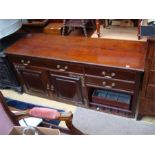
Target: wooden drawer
pixel 110 84
pixel 152 77
pixel 51 64
pixel 110 109
pixel 151 92
pixel 111 98
pixel 111 73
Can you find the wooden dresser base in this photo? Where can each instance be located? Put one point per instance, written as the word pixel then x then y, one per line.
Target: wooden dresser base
pixel 70 69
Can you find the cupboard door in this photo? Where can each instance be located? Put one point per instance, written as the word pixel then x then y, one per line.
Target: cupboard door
pixel 67 87
pixel 33 80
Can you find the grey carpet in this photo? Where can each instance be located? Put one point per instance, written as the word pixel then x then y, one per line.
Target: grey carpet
pixel 100 123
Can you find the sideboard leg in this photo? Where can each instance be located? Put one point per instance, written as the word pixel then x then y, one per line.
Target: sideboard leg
pixel 139 117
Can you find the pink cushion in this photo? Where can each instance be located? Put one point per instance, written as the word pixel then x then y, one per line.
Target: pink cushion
pixel 45 113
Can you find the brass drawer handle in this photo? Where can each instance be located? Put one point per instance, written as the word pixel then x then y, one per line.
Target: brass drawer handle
pixel 66 67
pixel 62 69
pixel 113 74
pixel 28 62
pixel 108 87
pixel 58 66
pixel 108 77
pixel 104 83
pixel 113 84
pixel 25 63
pixel 103 73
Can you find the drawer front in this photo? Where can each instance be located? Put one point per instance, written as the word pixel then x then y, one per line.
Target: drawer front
pixel 52 64
pixel 110 84
pixel 111 73
pixel 68 67
pixel 152 77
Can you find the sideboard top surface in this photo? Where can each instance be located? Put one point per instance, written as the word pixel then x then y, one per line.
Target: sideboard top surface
pixel 106 52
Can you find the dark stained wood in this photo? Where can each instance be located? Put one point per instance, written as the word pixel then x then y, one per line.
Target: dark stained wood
pixel 33 79
pixel 152 77
pixel 7 77
pixel 153 63
pixel 111 109
pixel 47 63
pixel 150 92
pixel 108 102
pixel 110 72
pixel 111 83
pixel 83 50
pixel 146 108
pixel 70 68
pixel 147 102
pixel 67 87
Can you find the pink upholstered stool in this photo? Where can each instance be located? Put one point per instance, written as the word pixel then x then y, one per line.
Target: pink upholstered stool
pixel 45 113
pixel 52 114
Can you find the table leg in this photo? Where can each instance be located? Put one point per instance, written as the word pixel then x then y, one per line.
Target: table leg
pixel 139 25
pixel 98 27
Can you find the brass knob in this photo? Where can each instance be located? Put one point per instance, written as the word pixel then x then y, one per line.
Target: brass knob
pixel 22 61
pixel 113 84
pixel 28 61
pixel 113 74
pixel 66 67
pixel 103 73
pixel 58 66
pixel 104 83
pixel 52 87
pixel 108 87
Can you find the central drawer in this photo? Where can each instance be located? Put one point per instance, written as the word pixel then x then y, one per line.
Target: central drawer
pixel 110 84
pixel 110 73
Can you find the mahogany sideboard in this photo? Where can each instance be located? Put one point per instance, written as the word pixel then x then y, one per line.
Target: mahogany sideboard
pixel 72 69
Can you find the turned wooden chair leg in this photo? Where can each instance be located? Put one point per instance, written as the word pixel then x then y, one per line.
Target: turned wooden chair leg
pixel 98 27
pixel 63 28
pixel 85 31
pixel 72 128
pixel 139 25
pixel 84 27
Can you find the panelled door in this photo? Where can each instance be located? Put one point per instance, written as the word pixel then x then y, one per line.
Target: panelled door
pixel 33 79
